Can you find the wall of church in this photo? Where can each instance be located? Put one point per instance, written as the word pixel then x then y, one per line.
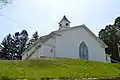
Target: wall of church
pixel 67 45
pixel 48 48
pixel 35 53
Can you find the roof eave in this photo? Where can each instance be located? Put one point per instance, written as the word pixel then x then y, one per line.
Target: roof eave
pixel 98 39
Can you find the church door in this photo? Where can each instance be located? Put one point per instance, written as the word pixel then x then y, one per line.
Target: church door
pixel 83 51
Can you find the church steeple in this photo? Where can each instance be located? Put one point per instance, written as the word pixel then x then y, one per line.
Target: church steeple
pixel 64 23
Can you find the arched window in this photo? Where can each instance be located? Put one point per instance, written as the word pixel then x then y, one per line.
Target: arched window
pixel 83 51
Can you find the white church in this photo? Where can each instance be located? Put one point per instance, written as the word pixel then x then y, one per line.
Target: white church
pixel 68 42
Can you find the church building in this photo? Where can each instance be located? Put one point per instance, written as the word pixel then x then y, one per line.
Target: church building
pixel 68 42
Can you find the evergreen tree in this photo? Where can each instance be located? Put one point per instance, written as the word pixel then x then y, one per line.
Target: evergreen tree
pixel 35 36
pixel 23 39
pixel 7 47
pixel 33 39
pixel 111 36
pixel 14 46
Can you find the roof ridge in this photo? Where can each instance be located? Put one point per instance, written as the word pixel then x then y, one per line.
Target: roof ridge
pixel 64 17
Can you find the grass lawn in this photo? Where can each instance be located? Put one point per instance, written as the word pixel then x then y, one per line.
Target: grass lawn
pixel 56 68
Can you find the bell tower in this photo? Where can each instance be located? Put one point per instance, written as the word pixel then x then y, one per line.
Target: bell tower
pixel 64 23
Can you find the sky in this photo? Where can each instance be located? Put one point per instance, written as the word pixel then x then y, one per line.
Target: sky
pixel 44 15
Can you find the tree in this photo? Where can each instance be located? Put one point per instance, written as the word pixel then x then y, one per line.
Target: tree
pixel 117 21
pixel 14 46
pixel 35 37
pixel 4 2
pixel 23 40
pixel 111 36
pixel 16 37
pixel 20 40
pixel 7 47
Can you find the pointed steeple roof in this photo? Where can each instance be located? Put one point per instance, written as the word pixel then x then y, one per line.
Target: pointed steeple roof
pixel 64 18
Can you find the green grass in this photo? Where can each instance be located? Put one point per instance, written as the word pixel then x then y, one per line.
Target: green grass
pixel 56 68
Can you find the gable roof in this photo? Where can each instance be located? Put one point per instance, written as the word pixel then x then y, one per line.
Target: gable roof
pixel 64 18
pixel 94 36
pixel 42 39
pixel 89 31
pixel 46 37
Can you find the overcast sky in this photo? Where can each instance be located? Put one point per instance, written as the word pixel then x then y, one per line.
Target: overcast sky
pixel 43 15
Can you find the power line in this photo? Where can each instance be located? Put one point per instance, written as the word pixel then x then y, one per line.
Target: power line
pixel 12 20
pixel 17 22
pixel 28 27
pixel 7 17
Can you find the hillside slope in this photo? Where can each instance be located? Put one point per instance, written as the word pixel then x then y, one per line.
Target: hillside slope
pixel 56 68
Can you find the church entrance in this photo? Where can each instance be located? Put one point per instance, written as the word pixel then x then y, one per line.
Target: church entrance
pixel 83 51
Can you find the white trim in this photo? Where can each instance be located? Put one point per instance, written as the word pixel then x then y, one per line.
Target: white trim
pixel 92 34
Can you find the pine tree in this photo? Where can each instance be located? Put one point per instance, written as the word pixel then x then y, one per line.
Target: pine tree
pixel 35 36
pixel 22 42
pixel 33 39
pixel 16 44
pixel 13 46
pixel 7 47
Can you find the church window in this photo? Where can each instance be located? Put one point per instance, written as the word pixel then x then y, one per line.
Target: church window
pixel 83 51
pixel 66 24
pixel 60 24
pixel 51 50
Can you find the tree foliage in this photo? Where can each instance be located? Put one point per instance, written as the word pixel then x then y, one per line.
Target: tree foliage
pixel 7 50
pixel 111 36
pixel 5 2
pixel 35 37
pixel 13 46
